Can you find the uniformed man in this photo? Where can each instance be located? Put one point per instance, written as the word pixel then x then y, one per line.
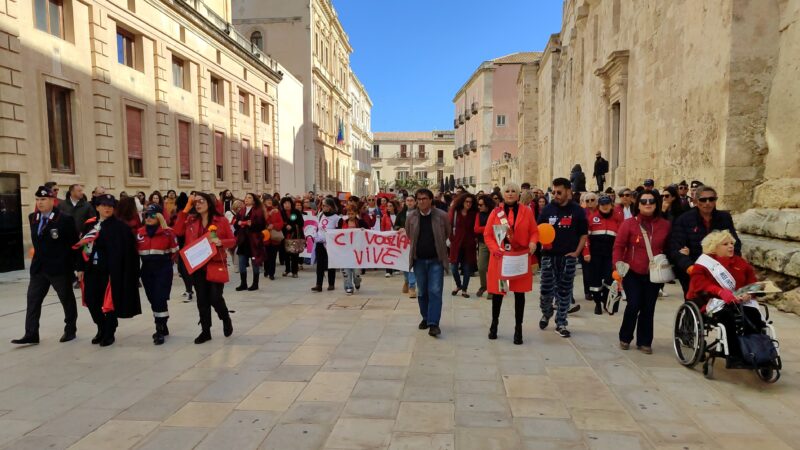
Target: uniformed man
pixel 53 233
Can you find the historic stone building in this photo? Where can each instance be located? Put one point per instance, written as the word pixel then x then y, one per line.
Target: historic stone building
pixel 398 157
pixel 486 123
pixel 307 37
pixel 134 95
pixel 674 90
pixel 360 138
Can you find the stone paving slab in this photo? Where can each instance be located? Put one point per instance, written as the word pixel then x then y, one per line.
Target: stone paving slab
pixel 328 371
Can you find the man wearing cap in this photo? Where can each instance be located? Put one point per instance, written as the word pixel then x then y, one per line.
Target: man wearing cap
pixel 600 170
pixel 649 184
pixel 683 196
pixel 693 192
pixel 52 233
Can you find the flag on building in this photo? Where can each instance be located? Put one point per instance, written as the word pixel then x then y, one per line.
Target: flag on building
pixel 340 134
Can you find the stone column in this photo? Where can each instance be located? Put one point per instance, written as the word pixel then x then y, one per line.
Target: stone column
pixel 105 130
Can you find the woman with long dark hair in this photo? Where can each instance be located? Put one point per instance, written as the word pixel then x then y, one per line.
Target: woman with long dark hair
pixel 388 220
pixel 155 198
pixel 127 213
pixel 248 225
pixel 463 258
pixel 274 222
pixel 292 229
pixel 485 207
pixel 197 218
pixel 671 206
pixel 327 219
pixel 188 292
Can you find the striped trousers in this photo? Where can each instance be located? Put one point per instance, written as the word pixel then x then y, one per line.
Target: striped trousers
pixel 558 274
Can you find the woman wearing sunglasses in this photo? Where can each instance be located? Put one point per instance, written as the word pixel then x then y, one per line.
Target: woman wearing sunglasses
pixel 631 259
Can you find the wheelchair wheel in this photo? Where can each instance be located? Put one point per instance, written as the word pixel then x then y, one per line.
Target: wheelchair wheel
pixel 769 375
pixel 688 334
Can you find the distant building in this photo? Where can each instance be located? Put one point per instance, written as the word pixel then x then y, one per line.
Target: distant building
pixel 403 158
pixel 485 123
pixel 360 138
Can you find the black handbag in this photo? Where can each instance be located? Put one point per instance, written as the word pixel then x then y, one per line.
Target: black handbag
pixel 758 350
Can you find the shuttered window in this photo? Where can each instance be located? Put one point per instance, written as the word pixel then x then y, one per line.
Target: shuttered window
pixel 184 144
pixel 266 164
pixel 246 160
pixel 59 128
pixel 133 124
pixel 219 141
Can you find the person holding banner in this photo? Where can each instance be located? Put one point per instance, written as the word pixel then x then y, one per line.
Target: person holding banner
pixel 249 223
pixel 198 218
pixel 352 220
pixel 292 229
pixel 388 220
pixel 410 280
pixel 510 232
pixel 327 220
pixel 274 237
pixel 463 257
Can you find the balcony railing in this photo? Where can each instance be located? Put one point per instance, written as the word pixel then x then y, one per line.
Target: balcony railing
pixel 402 155
pixel 474 107
pixel 439 161
pixel 473 145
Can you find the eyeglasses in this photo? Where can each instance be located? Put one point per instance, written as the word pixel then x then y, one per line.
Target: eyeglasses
pixel 666 196
pixel 419 199
pixel 150 216
pixel 626 194
pixel 647 201
pixel 591 200
pixel 683 188
pixel 707 199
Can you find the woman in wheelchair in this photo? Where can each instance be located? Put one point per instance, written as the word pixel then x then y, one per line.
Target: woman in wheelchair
pixel 716 275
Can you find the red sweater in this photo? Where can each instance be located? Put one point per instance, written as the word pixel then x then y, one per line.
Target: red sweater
pixel 703 286
pixel 630 247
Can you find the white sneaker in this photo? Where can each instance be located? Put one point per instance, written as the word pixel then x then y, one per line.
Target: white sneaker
pixel 388 275
pixel 662 293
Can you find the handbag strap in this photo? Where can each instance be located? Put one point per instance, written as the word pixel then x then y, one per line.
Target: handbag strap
pixel 647 243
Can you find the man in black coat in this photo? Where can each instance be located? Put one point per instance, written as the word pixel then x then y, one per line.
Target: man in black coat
pixel 600 170
pixel 52 233
pixel 689 229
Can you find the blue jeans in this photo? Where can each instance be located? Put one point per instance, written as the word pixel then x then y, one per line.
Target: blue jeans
pixel 558 274
pixel 461 284
pixel 351 279
pixel 430 279
pixel 411 279
pixel 244 260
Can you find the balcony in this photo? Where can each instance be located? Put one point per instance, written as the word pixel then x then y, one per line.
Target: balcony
pixel 461 119
pixel 402 155
pixel 474 107
pixel 467 114
pixel 472 180
pixel 422 155
pixel 473 145
pixel 465 149
pixel 439 161
pixel 459 153
pixel 455 123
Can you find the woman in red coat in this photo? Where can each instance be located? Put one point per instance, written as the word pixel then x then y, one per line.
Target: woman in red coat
pixel 249 223
pixel 716 274
pixel 463 248
pixel 522 235
pixel 274 222
pixel 388 219
pixel 197 218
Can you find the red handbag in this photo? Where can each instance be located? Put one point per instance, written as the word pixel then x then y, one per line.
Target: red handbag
pixel 217 271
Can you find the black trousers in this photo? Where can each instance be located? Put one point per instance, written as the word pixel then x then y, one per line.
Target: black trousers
pixel 322 266
pixel 38 288
pixel 209 295
pixel 187 279
pixel 600 182
pixel 95 283
pixel 642 296
pixel 586 270
pixel 292 261
pixel 519 307
pixel 270 254
pixel 599 271
pixel 683 279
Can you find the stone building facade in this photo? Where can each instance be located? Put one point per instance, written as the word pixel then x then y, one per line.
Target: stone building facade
pixel 400 156
pixel 360 138
pixel 307 37
pixel 676 90
pixel 486 123
pixel 134 95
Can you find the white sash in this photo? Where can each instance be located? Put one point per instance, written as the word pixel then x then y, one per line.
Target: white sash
pixel 718 271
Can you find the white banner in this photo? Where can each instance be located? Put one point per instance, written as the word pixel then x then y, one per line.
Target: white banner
pixel 310 227
pixel 367 249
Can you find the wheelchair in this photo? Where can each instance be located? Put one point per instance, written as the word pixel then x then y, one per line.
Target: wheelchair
pixel 697 337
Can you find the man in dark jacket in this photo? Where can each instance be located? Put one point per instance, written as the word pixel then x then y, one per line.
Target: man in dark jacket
pixel 52 233
pixel 76 206
pixel 600 170
pixel 689 229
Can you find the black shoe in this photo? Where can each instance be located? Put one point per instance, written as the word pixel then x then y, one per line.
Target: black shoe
pixel 518 335
pixel 204 336
pixel 331 287
pixel 98 337
pixel 254 286
pixel 543 322
pixel 108 340
pixel 272 277
pixel 67 336
pixel 423 325
pixel 227 327
pixel 243 285
pixel 434 331
pixel 158 339
pixel 598 309
pixel 165 330
pixel 563 332
pixel 575 308
pixel 26 340
pixel 317 289
pixel 493 330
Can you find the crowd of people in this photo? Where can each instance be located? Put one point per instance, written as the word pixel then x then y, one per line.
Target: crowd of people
pixel 110 246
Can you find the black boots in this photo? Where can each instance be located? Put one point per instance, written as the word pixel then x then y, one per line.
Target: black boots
pixel 204 336
pixel 493 330
pixel 254 286
pixel 28 339
pixel 161 332
pixel 69 334
pixel 227 326
pixel 518 335
pixel 243 285
pixel 99 336
pixel 598 308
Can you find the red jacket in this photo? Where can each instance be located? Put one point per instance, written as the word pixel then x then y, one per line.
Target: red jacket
pixel 191 228
pixel 703 286
pixel 525 233
pixel 630 247
pixel 163 243
pixel 273 218
pixel 462 241
pixel 602 233
pixel 387 224
pixel 619 213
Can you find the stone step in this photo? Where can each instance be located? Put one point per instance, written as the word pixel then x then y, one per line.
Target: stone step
pixel 777 255
pixel 773 223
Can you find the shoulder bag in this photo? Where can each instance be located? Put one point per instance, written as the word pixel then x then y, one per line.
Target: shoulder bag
pixel 660 268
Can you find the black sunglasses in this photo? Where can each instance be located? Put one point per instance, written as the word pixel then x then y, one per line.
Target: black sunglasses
pixel 707 199
pixel 647 201
pixel 626 195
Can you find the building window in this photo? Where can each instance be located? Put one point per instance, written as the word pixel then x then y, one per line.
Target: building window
pixel 59 128
pixel 257 41
pixel 378 174
pixel 421 175
pixel 266 164
pixel 403 151
pixel 219 155
pixel 501 120
pixel 133 127
pixel 246 160
pixel 422 152
pixel 376 151
pixel 402 175
pixel 50 16
pixel 179 73
pixel 184 146
pixel 439 176
pixel 266 112
pixel 244 103
pixel 217 90
pixel 440 156
pixel 126 47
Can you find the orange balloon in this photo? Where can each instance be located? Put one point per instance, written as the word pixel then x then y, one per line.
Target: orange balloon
pixel 547 234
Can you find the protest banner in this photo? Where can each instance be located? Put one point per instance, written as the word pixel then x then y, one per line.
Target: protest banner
pixel 310 227
pixel 367 249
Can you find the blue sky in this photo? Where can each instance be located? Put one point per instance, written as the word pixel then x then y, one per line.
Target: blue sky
pixel 414 55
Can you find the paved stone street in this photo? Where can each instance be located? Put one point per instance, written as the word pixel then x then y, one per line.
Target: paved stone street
pixel 307 371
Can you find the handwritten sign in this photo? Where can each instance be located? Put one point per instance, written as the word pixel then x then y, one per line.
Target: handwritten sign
pixel 310 227
pixel 367 249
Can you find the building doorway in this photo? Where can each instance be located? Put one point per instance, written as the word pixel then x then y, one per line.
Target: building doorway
pixel 12 255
